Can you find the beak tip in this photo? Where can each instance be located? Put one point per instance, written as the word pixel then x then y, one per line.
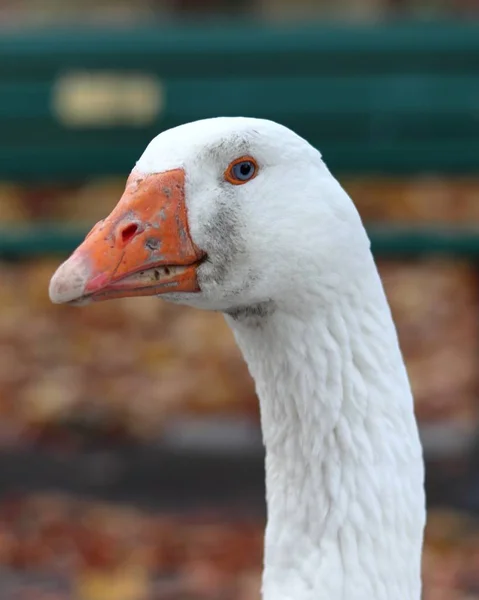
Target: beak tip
pixel 68 281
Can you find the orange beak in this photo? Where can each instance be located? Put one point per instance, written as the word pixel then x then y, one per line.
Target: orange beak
pixel 142 248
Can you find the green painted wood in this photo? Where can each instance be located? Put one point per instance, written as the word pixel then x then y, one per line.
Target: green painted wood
pixel 400 98
pixel 74 162
pixel 387 241
pixel 247 49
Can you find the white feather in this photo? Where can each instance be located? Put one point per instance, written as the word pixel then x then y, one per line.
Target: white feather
pixel 344 467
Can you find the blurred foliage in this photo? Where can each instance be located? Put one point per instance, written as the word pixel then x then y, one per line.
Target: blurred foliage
pixel 118 12
pixel 112 552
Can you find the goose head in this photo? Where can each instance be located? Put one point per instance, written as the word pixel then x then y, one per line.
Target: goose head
pixel 226 214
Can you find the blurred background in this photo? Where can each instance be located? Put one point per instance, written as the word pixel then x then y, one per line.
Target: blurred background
pixel 131 464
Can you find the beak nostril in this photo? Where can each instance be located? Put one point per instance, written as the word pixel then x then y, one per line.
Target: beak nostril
pixel 129 232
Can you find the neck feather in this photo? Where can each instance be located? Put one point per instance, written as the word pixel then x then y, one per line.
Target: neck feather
pixel 344 469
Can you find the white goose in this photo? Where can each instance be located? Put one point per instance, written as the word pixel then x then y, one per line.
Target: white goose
pixel 242 216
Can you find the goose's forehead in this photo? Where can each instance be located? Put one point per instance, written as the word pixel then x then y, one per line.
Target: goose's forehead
pixel 218 139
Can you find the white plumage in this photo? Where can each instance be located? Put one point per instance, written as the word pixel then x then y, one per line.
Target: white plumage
pixel 289 263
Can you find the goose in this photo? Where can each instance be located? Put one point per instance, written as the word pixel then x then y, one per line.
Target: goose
pixel 242 216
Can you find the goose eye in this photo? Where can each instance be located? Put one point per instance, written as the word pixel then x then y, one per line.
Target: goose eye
pixel 241 170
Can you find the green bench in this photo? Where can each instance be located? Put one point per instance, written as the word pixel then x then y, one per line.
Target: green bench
pixel 395 99
pixel 381 99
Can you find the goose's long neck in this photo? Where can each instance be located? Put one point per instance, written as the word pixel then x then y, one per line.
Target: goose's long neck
pixel 344 470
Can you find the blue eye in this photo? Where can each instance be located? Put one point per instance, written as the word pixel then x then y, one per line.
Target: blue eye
pixel 241 170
